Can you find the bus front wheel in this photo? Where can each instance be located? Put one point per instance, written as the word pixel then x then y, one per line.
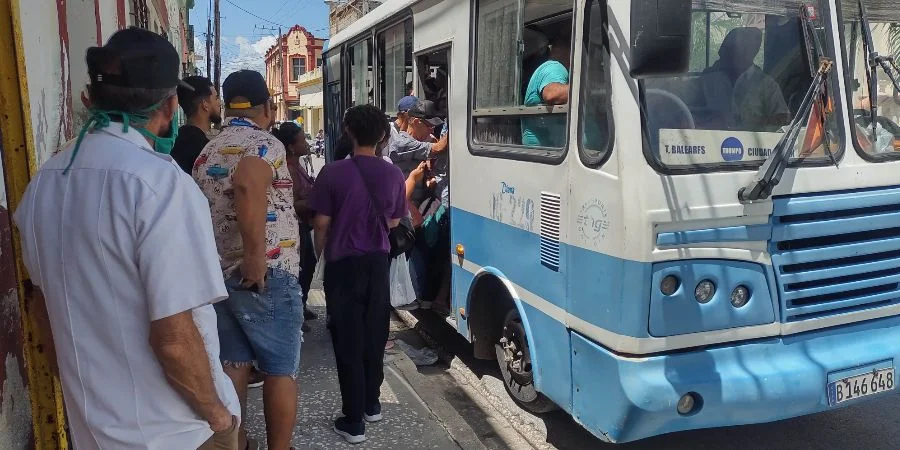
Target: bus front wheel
pixel 514 358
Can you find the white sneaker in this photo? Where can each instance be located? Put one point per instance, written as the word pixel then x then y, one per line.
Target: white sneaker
pixel 352 434
pixel 375 416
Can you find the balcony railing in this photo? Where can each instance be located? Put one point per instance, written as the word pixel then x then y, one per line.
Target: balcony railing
pixel 311 75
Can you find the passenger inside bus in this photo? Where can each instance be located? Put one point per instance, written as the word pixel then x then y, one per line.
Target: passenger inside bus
pixel 549 85
pixel 739 89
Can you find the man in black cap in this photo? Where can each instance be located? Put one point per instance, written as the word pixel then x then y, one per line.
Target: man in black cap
pixel 244 174
pixel 127 259
pixel 200 103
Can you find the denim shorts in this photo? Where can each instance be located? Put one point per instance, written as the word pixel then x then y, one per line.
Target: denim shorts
pixel 262 327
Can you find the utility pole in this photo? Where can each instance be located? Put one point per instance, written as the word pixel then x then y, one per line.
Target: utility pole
pixel 209 42
pixel 218 68
pixel 282 83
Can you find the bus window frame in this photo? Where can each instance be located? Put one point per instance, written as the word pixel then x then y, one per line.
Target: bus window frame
pixel 838 148
pixel 343 78
pixel 417 81
pixel 595 158
pixel 332 138
pixel 545 155
pixel 379 64
pixel 848 79
pixel 368 36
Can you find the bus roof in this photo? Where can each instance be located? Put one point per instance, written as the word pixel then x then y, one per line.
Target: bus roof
pixel 380 13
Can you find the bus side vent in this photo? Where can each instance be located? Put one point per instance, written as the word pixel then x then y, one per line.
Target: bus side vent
pixel 550 220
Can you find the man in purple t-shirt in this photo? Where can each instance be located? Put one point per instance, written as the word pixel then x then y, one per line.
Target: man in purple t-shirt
pixel 357 201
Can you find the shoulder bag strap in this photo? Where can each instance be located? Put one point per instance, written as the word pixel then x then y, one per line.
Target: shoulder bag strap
pixel 381 219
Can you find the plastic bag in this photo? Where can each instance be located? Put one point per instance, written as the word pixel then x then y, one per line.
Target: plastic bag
pixel 318 279
pixel 402 292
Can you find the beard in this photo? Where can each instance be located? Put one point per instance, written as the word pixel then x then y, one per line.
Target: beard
pixel 215 118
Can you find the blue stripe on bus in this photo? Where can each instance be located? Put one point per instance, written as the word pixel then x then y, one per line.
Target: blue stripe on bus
pixel 606 291
pixel 738 233
pixel 613 293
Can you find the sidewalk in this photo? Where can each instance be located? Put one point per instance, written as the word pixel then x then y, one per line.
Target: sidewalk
pixel 407 423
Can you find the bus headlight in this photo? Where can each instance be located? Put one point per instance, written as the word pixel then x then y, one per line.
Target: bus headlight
pixel 704 291
pixel 669 285
pixel 740 296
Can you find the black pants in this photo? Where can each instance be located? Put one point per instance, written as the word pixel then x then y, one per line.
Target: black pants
pixel 307 261
pixel 357 290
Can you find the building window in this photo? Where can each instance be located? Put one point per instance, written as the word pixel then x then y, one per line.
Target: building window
pixel 395 65
pixel 522 59
pixel 319 62
pixel 298 67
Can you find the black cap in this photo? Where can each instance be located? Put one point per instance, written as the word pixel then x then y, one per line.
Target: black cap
pixel 427 111
pixel 135 58
pixel 249 84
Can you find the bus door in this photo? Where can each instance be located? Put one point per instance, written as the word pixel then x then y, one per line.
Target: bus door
pixel 433 84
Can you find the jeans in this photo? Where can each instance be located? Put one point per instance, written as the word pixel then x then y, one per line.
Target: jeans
pixel 418 272
pixel 359 299
pixel 262 327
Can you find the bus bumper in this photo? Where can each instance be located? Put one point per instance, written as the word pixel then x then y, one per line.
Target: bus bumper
pixel 622 399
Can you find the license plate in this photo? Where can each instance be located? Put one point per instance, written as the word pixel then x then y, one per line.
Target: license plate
pixel 850 388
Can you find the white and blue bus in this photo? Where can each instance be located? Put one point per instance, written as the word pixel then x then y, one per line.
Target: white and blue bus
pixel 707 231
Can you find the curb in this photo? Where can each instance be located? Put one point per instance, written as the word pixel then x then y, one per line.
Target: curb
pixel 465 378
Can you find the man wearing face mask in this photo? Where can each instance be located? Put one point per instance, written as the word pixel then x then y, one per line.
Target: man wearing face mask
pixel 244 173
pixel 125 290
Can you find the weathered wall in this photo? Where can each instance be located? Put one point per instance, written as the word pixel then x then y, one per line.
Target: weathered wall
pixel 16 430
pixel 54 58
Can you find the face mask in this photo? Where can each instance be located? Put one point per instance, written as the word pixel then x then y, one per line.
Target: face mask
pixel 162 144
pixel 101 118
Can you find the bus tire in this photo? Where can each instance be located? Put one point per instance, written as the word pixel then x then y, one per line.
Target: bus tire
pixel 514 359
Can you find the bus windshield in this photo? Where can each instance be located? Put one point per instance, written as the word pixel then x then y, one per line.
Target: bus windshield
pixel 750 66
pixel 884 16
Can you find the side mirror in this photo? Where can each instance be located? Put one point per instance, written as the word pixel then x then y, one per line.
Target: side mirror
pixel 660 37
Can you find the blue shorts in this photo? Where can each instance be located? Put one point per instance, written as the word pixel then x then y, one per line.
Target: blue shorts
pixel 262 327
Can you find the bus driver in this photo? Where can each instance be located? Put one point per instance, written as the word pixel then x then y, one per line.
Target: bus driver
pixel 735 86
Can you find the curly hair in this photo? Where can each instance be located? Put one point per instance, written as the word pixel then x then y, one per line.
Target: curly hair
pixel 365 124
pixel 287 133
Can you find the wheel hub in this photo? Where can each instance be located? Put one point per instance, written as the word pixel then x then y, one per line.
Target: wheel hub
pixel 515 352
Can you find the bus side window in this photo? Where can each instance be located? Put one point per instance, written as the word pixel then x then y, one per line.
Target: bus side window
pixel 521 90
pixel 360 56
pixel 395 65
pixel 595 105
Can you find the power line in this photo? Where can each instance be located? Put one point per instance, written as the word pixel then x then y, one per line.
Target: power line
pixel 254 15
pixel 285 2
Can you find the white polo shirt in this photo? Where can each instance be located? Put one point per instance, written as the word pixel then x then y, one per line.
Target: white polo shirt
pixel 123 239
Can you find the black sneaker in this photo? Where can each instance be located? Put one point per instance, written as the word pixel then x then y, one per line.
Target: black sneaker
pixel 353 433
pixel 309 315
pixel 373 413
pixel 305 327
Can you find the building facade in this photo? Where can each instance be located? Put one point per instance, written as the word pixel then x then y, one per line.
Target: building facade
pixel 344 12
pixel 44 75
pixel 294 75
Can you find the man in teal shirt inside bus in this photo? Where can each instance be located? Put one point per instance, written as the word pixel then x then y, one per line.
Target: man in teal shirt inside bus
pixel 549 85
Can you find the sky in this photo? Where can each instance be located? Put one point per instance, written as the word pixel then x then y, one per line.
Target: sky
pixel 243 42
